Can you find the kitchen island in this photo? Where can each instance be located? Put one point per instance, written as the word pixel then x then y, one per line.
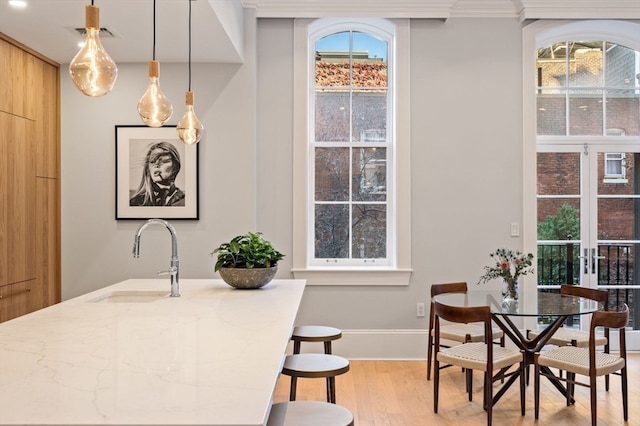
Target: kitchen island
pixel 130 354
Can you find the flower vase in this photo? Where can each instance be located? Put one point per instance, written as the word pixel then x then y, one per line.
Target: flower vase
pixel 509 295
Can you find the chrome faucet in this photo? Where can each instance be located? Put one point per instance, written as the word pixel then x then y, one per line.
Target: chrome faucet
pixel 173 270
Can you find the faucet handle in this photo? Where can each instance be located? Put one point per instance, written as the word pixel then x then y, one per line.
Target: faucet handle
pixel 171 271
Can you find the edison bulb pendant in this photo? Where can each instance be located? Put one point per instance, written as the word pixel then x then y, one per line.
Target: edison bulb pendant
pixel 189 128
pixel 92 70
pixel 154 108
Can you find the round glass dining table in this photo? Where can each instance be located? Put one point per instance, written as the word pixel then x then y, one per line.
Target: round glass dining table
pixel 552 306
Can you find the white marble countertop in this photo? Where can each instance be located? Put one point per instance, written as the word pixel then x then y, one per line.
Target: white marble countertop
pixel 212 356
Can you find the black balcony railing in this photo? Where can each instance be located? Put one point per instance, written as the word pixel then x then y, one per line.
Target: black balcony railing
pixel 561 264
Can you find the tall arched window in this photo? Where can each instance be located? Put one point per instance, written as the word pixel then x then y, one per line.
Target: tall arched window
pixel 582 132
pixel 348 210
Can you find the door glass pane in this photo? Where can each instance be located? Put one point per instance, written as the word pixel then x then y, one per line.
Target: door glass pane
pixel 619 232
pixel 558 212
pixel 558 173
pixel 616 218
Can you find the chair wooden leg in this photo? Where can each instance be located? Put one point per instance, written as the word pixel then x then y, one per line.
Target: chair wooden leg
pixel 570 386
pixel 488 394
pixel 429 355
pixel 594 401
pixel 436 384
pixel 296 346
pixel 522 386
pixel 625 400
pixel 327 347
pixel 469 378
pixel 536 389
pixel 485 401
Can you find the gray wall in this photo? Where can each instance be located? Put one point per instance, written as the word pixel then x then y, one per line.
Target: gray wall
pixel 466 144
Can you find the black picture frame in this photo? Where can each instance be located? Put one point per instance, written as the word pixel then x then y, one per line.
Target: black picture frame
pixel 137 194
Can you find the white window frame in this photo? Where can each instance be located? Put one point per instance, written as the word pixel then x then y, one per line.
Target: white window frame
pixel 398 270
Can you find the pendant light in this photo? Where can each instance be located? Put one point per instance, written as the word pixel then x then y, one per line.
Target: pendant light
pixel 154 108
pixel 189 128
pixel 92 70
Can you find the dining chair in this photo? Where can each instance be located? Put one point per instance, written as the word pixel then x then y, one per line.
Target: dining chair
pixel 567 336
pixel 587 362
pixel 475 355
pixel 455 332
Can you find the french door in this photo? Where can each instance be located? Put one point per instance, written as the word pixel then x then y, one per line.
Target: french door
pixel 588 215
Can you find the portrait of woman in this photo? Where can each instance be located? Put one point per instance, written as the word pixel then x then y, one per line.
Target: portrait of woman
pixel 158 182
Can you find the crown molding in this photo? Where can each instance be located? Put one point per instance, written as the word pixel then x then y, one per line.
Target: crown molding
pixel 444 9
pixel 580 9
pixel 432 9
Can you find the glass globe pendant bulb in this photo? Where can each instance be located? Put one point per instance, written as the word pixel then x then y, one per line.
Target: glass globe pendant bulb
pixel 92 70
pixel 189 128
pixel 154 108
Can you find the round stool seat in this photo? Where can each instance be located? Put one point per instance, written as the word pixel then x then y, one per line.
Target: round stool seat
pixel 309 413
pixel 315 365
pixel 312 366
pixel 314 333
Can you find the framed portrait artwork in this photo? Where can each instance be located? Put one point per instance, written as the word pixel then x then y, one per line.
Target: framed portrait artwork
pixel 156 174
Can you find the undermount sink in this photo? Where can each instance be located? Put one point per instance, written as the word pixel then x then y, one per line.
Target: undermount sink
pixel 132 296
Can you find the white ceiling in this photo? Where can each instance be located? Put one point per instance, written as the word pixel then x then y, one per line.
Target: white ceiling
pixel 47 25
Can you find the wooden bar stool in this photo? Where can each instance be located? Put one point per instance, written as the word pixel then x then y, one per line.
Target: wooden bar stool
pixel 313 366
pixel 314 333
pixel 309 413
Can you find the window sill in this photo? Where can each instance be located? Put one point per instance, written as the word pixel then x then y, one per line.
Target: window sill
pixel 615 180
pixel 353 276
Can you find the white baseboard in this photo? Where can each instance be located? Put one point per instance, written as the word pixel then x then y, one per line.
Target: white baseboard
pixel 376 345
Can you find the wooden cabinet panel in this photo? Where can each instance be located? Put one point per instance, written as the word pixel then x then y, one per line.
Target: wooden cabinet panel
pixel 13 83
pixel 17 162
pixel 17 299
pixel 29 180
pixel 48 240
pixel 47 121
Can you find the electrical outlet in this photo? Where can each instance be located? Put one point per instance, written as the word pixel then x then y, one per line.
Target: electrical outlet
pixel 420 310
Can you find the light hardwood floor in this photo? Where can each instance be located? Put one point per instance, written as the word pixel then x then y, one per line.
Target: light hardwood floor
pixel 397 393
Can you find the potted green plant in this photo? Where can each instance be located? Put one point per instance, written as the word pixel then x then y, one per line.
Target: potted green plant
pixel 247 261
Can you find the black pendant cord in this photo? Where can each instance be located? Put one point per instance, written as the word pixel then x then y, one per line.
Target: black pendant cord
pixel 154 30
pixel 189 45
pixel 91 2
